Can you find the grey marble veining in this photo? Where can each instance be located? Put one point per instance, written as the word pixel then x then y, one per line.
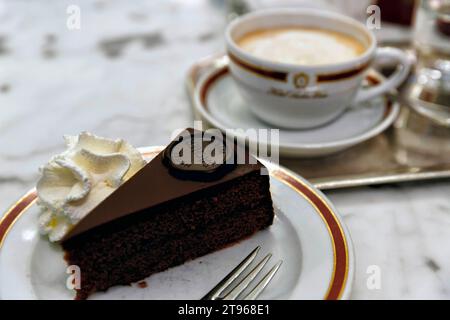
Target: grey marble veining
pixel 122 75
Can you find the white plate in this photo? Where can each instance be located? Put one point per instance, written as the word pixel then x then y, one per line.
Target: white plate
pixel 307 234
pixel 218 102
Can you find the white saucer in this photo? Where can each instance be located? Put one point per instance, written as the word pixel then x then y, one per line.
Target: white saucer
pixel 218 102
pixel 308 235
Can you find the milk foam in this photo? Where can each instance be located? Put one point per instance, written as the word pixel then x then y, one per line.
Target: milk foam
pixel 302 46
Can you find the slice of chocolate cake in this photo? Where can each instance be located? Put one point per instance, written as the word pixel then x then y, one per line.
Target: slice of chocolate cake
pixel 168 212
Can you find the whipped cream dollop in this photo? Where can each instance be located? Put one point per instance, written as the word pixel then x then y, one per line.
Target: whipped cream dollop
pixel 77 180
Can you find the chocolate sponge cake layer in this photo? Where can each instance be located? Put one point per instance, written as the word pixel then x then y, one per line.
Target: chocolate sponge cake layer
pixel 137 245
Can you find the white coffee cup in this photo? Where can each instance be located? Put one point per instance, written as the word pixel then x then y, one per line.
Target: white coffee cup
pixel 303 96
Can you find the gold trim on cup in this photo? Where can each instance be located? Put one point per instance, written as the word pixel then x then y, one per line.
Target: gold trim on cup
pixel 262 72
pixel 301 80
pixel 283 76
pixel 343 74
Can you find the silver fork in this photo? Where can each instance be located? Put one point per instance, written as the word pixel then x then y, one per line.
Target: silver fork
pixel 215 293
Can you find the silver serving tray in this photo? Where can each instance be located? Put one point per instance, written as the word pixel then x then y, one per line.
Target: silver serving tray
pixel 414 148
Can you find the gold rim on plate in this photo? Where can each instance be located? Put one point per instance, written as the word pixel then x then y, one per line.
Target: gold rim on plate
pixel 340 247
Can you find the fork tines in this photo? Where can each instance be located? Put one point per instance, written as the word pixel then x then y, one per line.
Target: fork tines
pixel 236 291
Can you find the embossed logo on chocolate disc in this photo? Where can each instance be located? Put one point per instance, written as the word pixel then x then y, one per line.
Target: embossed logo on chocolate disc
pixel 198 157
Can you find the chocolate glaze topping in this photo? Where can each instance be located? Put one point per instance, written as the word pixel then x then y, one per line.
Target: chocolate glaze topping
pixel 162 180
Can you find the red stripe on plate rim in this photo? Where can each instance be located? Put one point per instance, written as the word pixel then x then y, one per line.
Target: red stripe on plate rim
pixel 339 243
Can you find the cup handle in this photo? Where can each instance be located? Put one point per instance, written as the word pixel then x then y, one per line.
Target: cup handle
pixel 388 56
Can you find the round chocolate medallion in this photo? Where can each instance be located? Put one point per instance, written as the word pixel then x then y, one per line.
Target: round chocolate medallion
pixel 198 156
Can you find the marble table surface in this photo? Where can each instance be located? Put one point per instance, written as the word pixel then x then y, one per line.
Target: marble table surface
pixel 122 75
